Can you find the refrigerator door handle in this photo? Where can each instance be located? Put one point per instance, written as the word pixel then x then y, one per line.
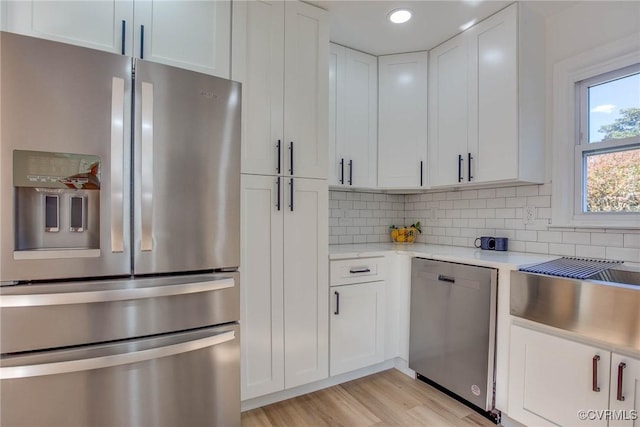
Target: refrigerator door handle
pixel 146 140
pixel 113 360
pixel 117 164
pixel 68 298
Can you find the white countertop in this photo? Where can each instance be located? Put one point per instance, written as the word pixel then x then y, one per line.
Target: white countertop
pixel 495 259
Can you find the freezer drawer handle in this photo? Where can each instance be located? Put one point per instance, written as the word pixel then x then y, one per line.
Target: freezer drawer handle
pixel 124 26
pixel 444 278
pixel 357 270
pixel 114 294
pixel 117 164
pixel 337 294
pixel 146 155
pixel 141 41
pixel 619 395
pixel 278 149
pixel 113 360
pixel 594 385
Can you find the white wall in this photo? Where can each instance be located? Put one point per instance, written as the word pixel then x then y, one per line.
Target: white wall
pixel 577 29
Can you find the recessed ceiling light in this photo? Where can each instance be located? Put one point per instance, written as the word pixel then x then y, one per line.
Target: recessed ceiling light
pixel 468 25
pixel 399 16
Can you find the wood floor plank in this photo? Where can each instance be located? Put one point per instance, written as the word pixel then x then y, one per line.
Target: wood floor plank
pixel 385 399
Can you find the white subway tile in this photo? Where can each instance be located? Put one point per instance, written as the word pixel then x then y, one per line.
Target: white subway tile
pixel 494 223
pixel 496 203
pixel 334 240
pixel 536 247
pixel 530 236
pixel 516 202
pixel 506 192
pixel 506 213
pixel 461 223
pixel 367 197
pixel 477 223
pixel 478 203
pixel 439 196
pixel 607 239
pixel 453 213
pixel 345 204
pixel 461 204
pixel 345 222
pixel 338 195
pixel 529 190
pixel 516 246
pixel 468 232
pixel 539 201
pixel 488 193
pixel 623 254
pixel 550 236
pixel 345 240
pixel 469 194
pixel 562 249
pixel 632 240
pixel 514 224
pixel 538 224
pixel 460 241
pixel 590 251
pixel 453 195
pixel 354 196
pixel 446 204
pixel 360 239
pixel 576 238
pixel 544 213
pixel 486 213
pixel 445 240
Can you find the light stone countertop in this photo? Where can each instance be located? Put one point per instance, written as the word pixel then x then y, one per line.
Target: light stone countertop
pixel 495 259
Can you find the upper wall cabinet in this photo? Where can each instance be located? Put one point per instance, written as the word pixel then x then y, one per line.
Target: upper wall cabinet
pixel 194 35
pixel 486 102
pixel 353 118
pixel 285 120
pixel 402 121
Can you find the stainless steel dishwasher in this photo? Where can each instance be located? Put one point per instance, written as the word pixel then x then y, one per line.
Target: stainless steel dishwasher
pixel 453 324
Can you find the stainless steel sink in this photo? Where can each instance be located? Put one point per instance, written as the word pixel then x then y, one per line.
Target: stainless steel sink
pixel 623 275
pixel 603 306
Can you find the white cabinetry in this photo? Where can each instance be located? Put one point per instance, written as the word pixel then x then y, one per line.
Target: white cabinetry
pixel 195 35
pixel 486 102
pixel 353 118
pixel 402 120
pixel 284 270
pixel 357 314
pixel 552 379
pixel 281 57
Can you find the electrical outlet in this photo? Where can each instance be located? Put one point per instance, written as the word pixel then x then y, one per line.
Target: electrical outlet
pixel 529 214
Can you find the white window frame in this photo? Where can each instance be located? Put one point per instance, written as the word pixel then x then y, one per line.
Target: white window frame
pixel 566 200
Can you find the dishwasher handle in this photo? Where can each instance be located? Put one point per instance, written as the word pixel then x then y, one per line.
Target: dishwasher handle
pixel 448 279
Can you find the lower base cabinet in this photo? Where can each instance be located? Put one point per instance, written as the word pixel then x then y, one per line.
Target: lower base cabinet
pixel 284 283
pixel 357 326
pixel 557 381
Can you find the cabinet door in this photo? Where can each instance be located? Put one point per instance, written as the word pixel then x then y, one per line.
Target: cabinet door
pixel 402 143
pixel 261 275
pixel 259 64
pixel 306 281
pixel 493 125
pixel 306 90
pixel 625 377
pixel 336 113
pixel 448 112
pixel 358 133
pixel 195 35
pixel 102 24
pixel 357 326
pixel 551 379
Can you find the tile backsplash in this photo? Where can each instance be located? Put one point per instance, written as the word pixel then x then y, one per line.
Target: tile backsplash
pixel 456 218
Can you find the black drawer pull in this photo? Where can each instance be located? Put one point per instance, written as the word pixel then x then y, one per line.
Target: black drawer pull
pixel 448 279
pixel 357 270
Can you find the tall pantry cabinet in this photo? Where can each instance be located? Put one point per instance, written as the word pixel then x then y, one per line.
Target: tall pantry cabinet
pixel 281 51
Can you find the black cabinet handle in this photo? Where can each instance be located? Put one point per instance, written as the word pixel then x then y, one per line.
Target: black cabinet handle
pixel 350 172
pixel 341 171
pixel 124 26
pixel 279 148
pixel 337 294
pixel 141 41
pixel 291 158
pixel 459 167
pixel 469 166
pixel 447 279
pixel 421 173
pixel 619 395
pixel 360 270
pixel 594 379
pixel 278 192
pixel 291 194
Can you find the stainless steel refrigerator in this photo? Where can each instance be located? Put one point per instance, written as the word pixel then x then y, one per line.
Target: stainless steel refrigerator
pixel 120 209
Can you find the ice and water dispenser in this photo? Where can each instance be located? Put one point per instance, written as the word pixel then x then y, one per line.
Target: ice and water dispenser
pixel 57 201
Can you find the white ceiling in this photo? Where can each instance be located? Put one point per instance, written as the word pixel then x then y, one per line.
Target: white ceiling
pixel 363 24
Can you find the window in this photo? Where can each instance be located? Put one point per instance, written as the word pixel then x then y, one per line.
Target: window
pixel 596 138
pixel 607 160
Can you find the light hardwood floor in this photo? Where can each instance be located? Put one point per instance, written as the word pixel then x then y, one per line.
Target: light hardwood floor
pixel 388 398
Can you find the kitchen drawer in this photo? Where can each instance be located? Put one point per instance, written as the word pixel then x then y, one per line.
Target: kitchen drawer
pixel 358 270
